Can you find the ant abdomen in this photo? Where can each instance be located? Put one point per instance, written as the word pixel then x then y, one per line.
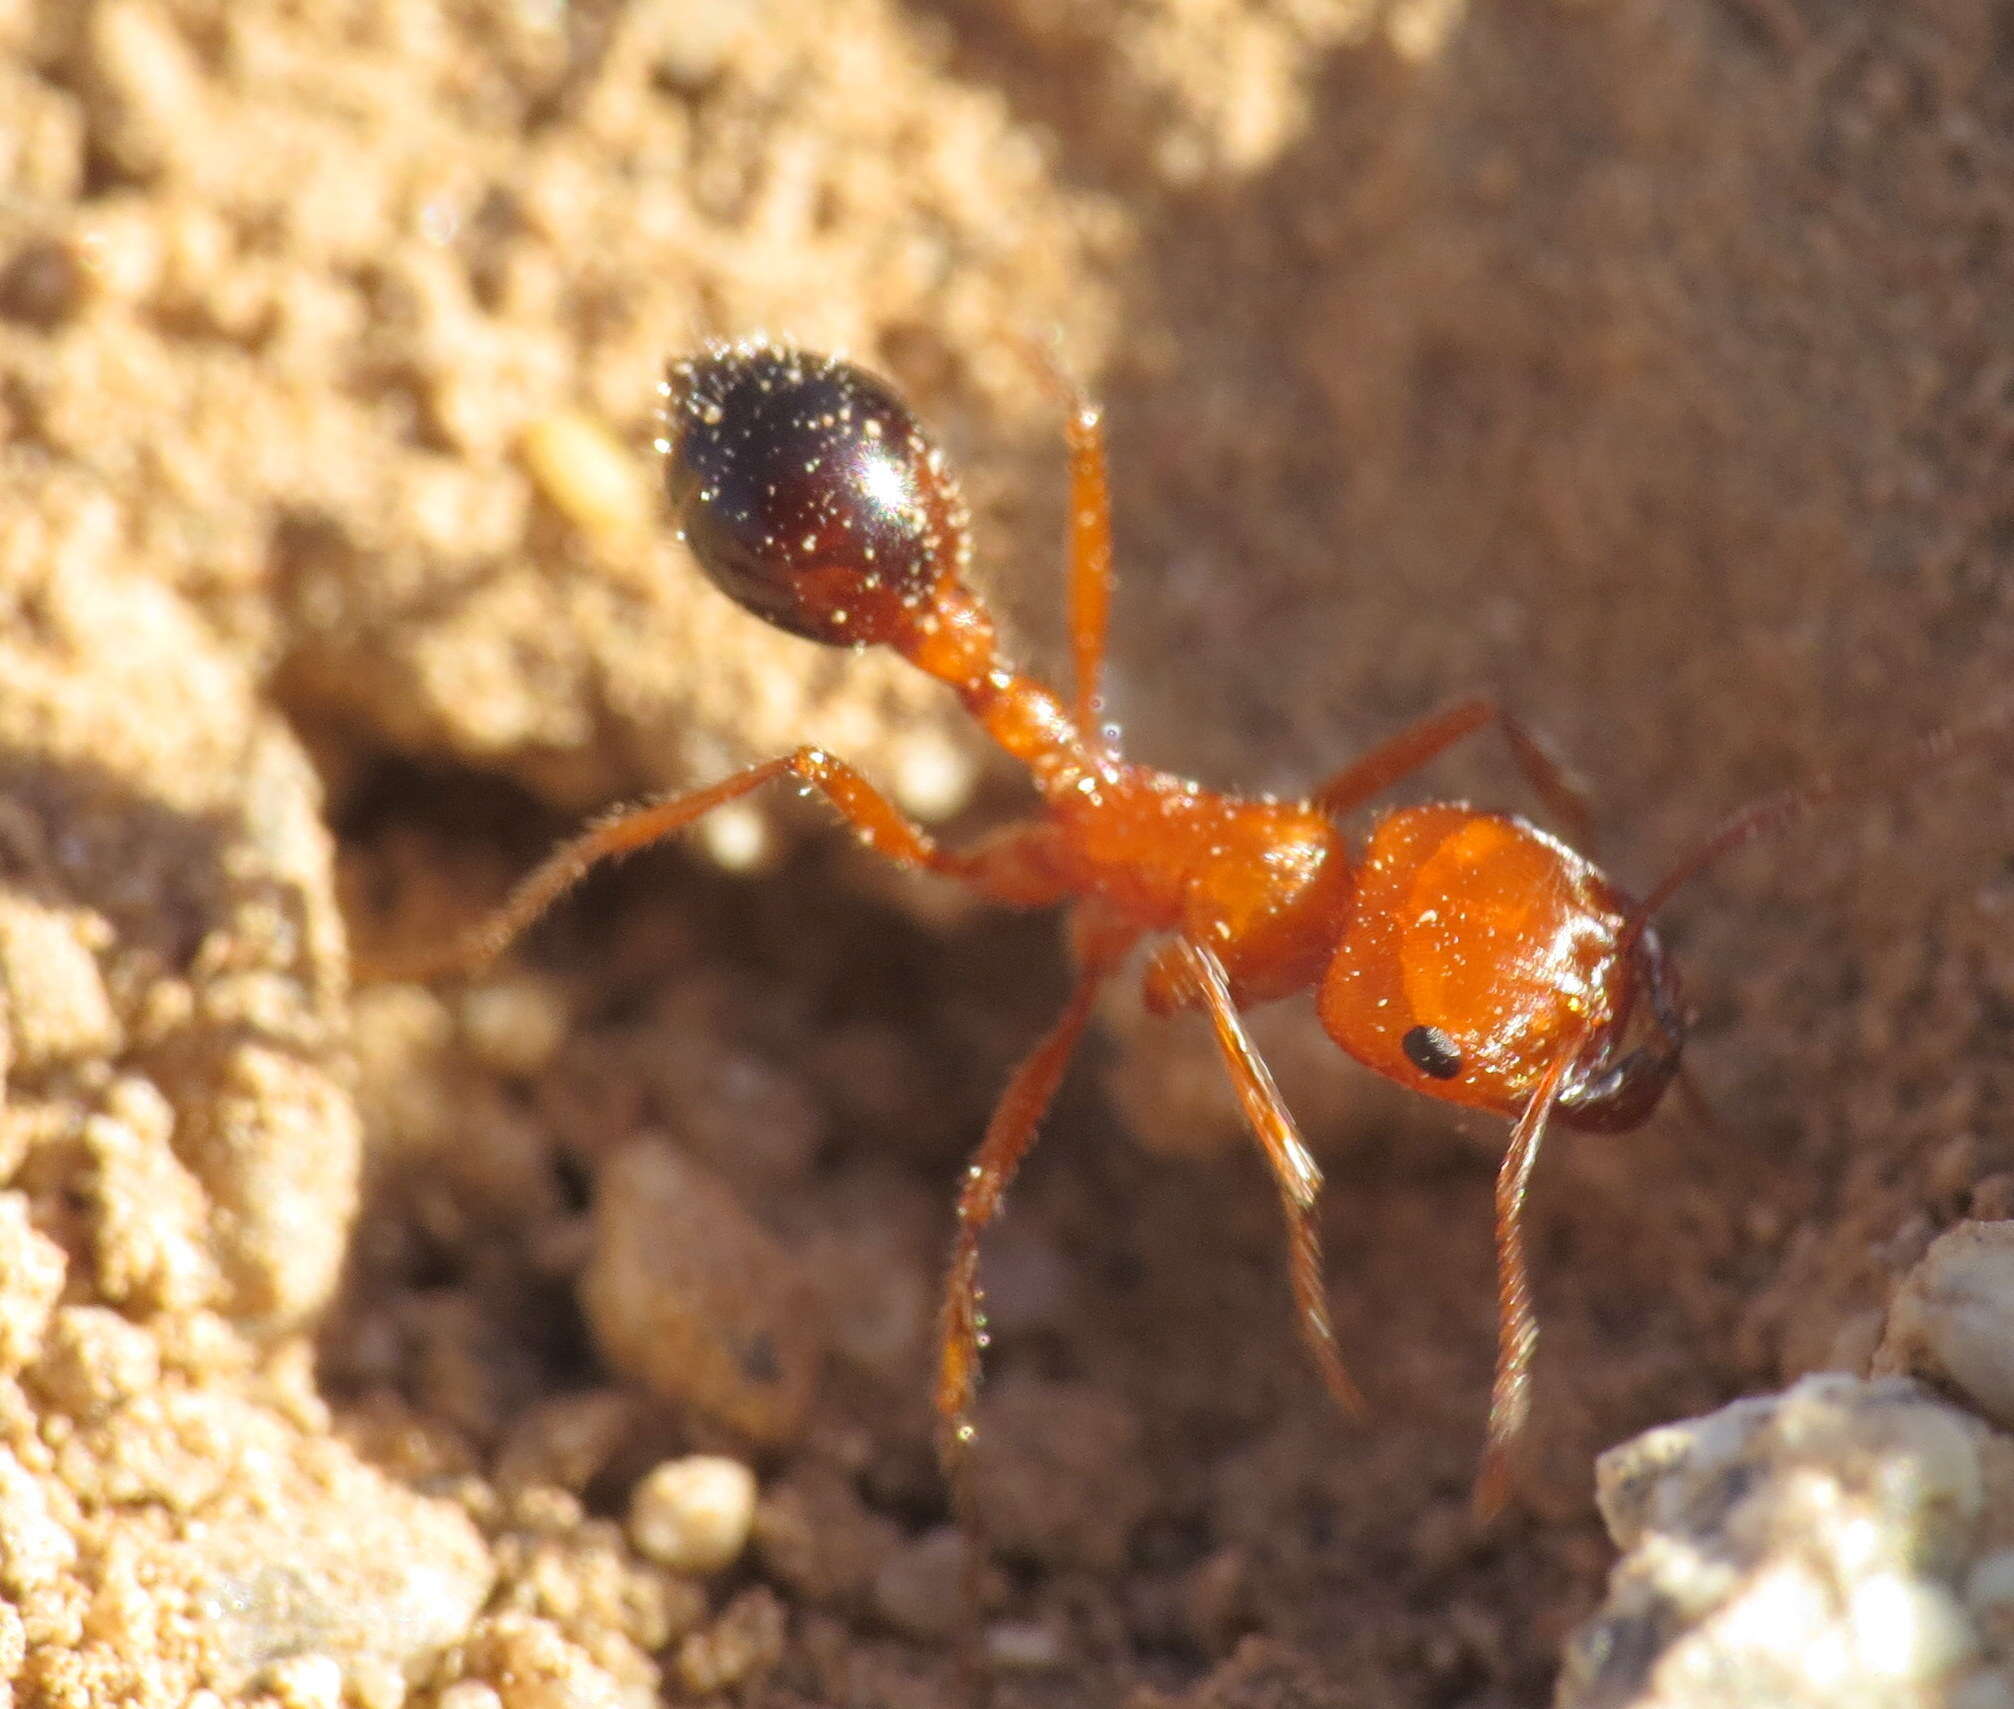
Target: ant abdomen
pixel 808 493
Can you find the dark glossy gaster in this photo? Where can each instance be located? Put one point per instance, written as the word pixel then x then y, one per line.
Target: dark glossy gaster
pixel 808 493
pixel 1465 954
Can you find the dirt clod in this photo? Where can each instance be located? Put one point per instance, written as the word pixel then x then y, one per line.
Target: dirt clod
pixel 690 1297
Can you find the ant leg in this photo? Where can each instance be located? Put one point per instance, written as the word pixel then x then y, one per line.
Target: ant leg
pixel 961 1329
pixel 873 816
pixel 1090 557
pixel 1401 755
pixel 1293 1166
pixel 1090 532
pixel 1517 1325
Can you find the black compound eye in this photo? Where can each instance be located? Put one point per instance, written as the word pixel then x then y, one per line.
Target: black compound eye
pixel 1432 1052
pixel 807 491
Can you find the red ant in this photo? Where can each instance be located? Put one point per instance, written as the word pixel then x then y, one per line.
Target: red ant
pixel 1467 955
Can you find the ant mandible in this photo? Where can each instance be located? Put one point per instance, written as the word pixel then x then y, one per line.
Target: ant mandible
pixel 1465 954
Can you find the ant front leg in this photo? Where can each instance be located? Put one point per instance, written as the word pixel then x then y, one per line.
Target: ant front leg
pixel 1401 755
pixel 876 819
pixel 1195 967
pixel 1517 1324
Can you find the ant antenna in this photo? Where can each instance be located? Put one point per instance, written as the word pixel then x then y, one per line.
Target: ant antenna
pixel 1774 813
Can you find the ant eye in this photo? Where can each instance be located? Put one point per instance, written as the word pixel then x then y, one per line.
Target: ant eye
pixel 808 492
pixel 1432 1052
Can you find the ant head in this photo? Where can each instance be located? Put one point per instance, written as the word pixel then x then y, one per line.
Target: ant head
pixel 808 493
pixel 1478 948
pixel 1632 1059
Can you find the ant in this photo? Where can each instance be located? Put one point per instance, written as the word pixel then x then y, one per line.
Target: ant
pixel 1468 955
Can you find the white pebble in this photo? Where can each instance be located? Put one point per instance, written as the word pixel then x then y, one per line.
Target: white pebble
pixel 693 1515
pixel 933 777
pixel 515 1025
pixel 306 1682
pixel 1023 1646
pixel 587 474
pixel 736 837
pixel 469 1694
pixel 1953 1318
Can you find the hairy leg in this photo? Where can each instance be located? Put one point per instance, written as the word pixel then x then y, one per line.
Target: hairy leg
pixel 1517 1325
pixel 1006 869
pixel 1401 755
pixel 1293 1166
pixel 1009 1135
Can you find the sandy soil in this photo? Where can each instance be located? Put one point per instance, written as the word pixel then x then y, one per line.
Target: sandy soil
pixel 1648 364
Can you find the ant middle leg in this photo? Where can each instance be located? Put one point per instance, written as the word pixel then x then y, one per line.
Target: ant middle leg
pixel 1517 1323
pixel 1003 869
pixel 1195 966
pixel 1399 756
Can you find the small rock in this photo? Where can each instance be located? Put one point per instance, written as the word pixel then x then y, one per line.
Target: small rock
pixel 581 1575
pixel 50 986
pixel 306 1682
pixel 150 1231
pixel 530 1663
pixel 515 1025
pixel 566 1442
pixel 587 474
pixel 302 1548
pixel 1953 1319
pixel 741 1646
pixel 693 1515
pixel 278 1147
pixel 689 1296
pixel 819 1540
pixel 93 1360
pixel 1799 1550
pixel 1023 1646
pixel 32 1267
pixel 34 1544
pixel 13 1641
pixel 920 1588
